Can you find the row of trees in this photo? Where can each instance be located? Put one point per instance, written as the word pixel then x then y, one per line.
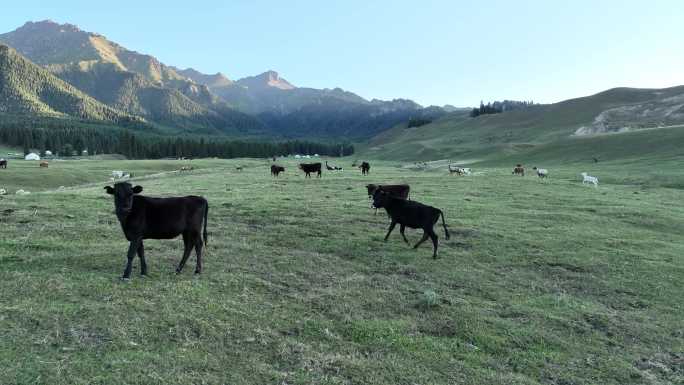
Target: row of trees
pixel 498 107
pixel 69 140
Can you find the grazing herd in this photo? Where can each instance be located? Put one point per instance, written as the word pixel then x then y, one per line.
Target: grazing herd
pixel 142 217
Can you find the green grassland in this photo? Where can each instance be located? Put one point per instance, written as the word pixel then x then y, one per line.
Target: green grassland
pixel 542 282
pixel 541 132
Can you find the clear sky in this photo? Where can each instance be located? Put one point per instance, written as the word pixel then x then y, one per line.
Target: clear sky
pixel 432 51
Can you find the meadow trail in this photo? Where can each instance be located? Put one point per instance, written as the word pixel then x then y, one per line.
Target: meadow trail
pixel 542 281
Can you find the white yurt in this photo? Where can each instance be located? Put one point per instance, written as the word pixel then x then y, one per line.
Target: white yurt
pixel 32 156
pixel 48 153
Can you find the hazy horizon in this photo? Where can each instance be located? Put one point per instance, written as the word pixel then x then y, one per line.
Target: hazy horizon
pixel 436 54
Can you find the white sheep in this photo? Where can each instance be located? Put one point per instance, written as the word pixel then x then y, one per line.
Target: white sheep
pixel 589 179
pixel 541 172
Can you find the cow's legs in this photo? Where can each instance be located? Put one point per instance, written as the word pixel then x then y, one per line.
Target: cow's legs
pixel 390 230
pixel 423 239
pixel 401 230
pixel 434 238
pixel 199 244
pixel 132 249
pixel 187 242
pixel 141 255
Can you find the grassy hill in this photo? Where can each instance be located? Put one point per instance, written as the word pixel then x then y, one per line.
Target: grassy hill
pixel 26 88
pixel 133 93
pixel 127 81
pixel 538 130
pixel 542 282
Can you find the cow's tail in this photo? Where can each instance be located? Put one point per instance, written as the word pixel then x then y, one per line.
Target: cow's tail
pixel 206 213
pixel 446 231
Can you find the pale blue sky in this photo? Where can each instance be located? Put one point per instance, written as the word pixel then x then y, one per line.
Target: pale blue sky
pixel 434 52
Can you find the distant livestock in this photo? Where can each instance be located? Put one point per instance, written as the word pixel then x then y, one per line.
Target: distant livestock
pixel 365 168
pixel 519 170
pixel 332 168
pixel 159 218
pixel 3 163
pixel 460 171
pixel 44 164
pixel 238 168
pixel 411 214
pixel 275 170
pixel 400 191
pixel 589 179
pixel 308 168
pixel 118 174
pixel 186 168
pixel 541 172
pixel 3 191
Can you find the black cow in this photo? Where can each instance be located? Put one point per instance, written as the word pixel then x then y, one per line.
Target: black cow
pixel 396 190
pixel 159 218
pixel 275 169
pixel 3 163
pixel 308 168
pixel 411 214
pixel 365 168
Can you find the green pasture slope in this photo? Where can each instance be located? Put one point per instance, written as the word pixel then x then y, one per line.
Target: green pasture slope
pixel 542 282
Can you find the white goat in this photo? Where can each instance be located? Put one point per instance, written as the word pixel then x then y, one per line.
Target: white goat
pixel 589 179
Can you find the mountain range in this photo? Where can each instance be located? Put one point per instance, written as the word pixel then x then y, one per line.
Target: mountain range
pixel 139 86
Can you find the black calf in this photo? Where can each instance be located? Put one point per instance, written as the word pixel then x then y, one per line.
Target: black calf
pixel 159 218
pixel 396 190
pixel 275 170
pixel 365 168
pixel 411 214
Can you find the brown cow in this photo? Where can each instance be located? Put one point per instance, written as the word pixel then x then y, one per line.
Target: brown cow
pixel 519 170
pixel 44 164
